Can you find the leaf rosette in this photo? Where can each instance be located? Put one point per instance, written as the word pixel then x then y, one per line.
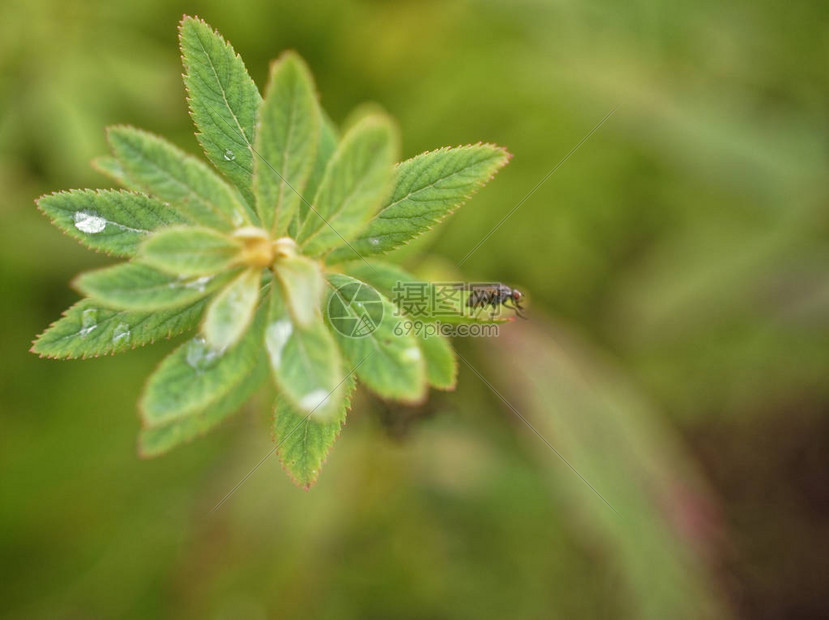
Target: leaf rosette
pixel 263 256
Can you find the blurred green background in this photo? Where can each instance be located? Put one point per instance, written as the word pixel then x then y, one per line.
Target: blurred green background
pixel 677 353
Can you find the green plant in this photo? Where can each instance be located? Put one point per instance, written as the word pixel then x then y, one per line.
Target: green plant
pixel 252 263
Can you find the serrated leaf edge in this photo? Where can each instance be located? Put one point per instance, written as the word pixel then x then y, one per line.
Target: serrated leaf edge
pixel 440 218
pixel 347 402
pixel 200 136
pixel 99 191
pixel 63 315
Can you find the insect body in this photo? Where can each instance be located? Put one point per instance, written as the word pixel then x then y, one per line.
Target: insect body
pixel 481 296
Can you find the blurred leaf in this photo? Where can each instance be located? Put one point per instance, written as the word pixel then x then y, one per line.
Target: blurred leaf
pixel 165 171
pixel 623 455
pixel 133 286
pixel 427 189
pixel 190 251
pixel 302 284
pixel 159 438
pixel 89 330
pixel 232 310
pixel 195 378
pixel 305 361
pixel 356 181
pixel 441 364
pixel 391 365
pixel 286 141
pixel 109 221
pixel 224 101
pixel 304 441
pixel 111 167
pixel 329 137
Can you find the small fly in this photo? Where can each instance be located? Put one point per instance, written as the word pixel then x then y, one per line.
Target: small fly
pixel 494 295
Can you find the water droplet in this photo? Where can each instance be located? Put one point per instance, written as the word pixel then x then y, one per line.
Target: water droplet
pixel 89 321
pixel 229 155
pixel 412 354
pixel 312 400
pixel 198 284
pixel 200 356
pixel 121 333
pixel 276 337
pixel 374 241
pixel 238 218
pixel 89 222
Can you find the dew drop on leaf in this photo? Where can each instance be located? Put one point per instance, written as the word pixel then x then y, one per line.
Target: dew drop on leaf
pixel 198 284
pixel 89 321
pixel 312 400
pixel 121 333
pixel 276 337
pixel 89 222
pixel 199 355
pixel 374 241
pixel 229 155
pixel 412 354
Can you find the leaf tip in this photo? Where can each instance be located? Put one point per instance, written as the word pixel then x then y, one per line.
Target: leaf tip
pixel 34 349
pixel 143 452
pixel 189 20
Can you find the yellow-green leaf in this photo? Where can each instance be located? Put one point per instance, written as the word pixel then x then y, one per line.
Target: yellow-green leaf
pixel 231 311
pixel 190 251
pixel 302 285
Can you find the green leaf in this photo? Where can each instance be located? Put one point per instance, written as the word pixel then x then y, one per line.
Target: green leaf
pixel 165 171
pixel 361 111
pixel 305 362
pixel 302 287
pixel 190 251
pixel 329 137
pixel 111 167
pixel 88 330
pixel 133 286
pixel 356 182
pixel 286 141
pixel 159 438
pixel 441 363
pixel 391 365
pixel 428 188
pixel 196 377
pixel 230 313
pixel 224 101
pixel 110 221
pixel 303 441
